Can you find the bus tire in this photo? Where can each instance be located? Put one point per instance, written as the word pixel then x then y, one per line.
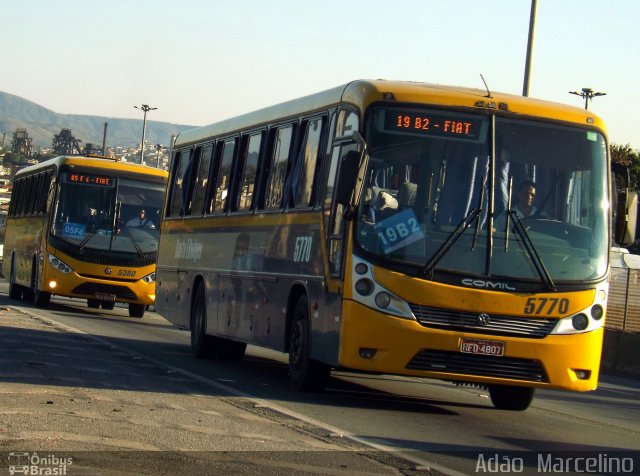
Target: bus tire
pixel 136 310
pixel 107 305
pixel 305 374
pixel 15 290
pixel 508 397
pixel 42 298
pixel 202 345
pixel 93 303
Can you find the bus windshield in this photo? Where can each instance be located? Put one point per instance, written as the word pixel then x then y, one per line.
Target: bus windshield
pixel 432 183
pixel 102 213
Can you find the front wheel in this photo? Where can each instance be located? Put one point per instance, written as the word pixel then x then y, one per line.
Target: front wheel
pixel 42 298
pixel 305 374
pixel 107 305
pixel 136 310
pixel 507 397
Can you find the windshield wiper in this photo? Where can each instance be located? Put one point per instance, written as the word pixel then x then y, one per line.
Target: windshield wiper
pixel 533 253
pixel 84 242
pixel 450 241
pixel 135 243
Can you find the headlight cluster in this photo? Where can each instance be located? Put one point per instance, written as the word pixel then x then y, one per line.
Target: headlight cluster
pixel 369 293
pixel 59 265
pixel 588 320
pixel 150 278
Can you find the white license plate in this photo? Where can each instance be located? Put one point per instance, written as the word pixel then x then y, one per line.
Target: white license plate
pixel 482 347
pixel 105 297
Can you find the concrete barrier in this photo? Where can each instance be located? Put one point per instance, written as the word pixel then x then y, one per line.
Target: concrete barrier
pixel 621 353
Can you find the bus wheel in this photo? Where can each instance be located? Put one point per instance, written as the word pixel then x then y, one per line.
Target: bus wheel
pixel 229 350
pixel 93 303
pixel 202 345
pixel 305 374
pixel 108 305
pixel 15 290
pixel 136 310
pixel 42 298
pixel 507 397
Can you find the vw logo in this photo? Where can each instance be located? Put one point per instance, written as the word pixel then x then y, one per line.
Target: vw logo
pixel 108 270
pixel 484 319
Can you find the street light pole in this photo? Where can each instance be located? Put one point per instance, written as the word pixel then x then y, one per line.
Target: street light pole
pixel 587 94
pixel 527 65
pixel 146 108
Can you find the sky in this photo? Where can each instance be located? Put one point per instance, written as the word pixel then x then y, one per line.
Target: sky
pixel 200 61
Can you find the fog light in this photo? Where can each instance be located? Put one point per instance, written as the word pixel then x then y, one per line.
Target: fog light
pixel 52 284
pixel 367 353
pixel 383 300
pixel 364 287
pixel 597 312
pixel 580 322
pixel 583 374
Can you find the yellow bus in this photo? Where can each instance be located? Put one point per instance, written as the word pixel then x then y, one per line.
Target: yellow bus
pixel 396 228
pixel 73 229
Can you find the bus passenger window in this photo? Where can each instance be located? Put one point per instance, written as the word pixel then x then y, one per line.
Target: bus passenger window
pixel 247 185
pixel 224 176
pixel 278 169
pixel 200 188
pixel 176 207
pixel 305 169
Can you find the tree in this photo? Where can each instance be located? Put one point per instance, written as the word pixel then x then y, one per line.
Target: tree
pixel 627 157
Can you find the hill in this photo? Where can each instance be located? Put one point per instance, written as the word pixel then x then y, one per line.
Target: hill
pixel 42 124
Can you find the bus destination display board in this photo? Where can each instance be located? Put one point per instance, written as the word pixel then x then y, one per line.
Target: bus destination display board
pixel 89 179
pixel 429 123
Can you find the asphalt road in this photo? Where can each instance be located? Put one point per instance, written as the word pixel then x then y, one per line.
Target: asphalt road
pixel 395 424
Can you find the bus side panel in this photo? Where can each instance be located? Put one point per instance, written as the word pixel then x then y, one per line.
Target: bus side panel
pixel 23 236
pixel 325 316
pixel 167 295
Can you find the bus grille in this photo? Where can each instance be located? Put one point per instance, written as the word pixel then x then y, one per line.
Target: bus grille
pixel 471 322
pixel 91 289
pixel 487 366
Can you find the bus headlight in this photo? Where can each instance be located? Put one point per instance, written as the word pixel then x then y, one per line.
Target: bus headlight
pixel 150 278
pixel 587 320
pixel 59 265
pixel 369 293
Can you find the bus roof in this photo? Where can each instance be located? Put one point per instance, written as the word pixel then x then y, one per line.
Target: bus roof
pixel 362 93
pixel 104 163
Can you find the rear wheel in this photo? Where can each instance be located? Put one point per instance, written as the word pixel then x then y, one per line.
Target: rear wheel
pixel 93 303
pixel 508 397
pixel 108 305
pixel 305 374
pixel 136 310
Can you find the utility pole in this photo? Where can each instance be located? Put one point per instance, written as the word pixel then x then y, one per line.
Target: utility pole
pixel 587 94
pixel 527 65
pixel 145 108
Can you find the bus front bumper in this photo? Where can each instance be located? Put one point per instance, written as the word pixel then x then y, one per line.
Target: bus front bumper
pixel 379 343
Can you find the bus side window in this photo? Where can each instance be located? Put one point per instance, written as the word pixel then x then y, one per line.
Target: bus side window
pixel 221 179
pixel 249 162
pixel 304 171
pixel 189 181
pixel 282 146
pixel 180 163
pixel 202 180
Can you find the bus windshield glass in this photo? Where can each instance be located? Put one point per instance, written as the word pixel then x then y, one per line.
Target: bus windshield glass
pixel 432 182
pixel 106 213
